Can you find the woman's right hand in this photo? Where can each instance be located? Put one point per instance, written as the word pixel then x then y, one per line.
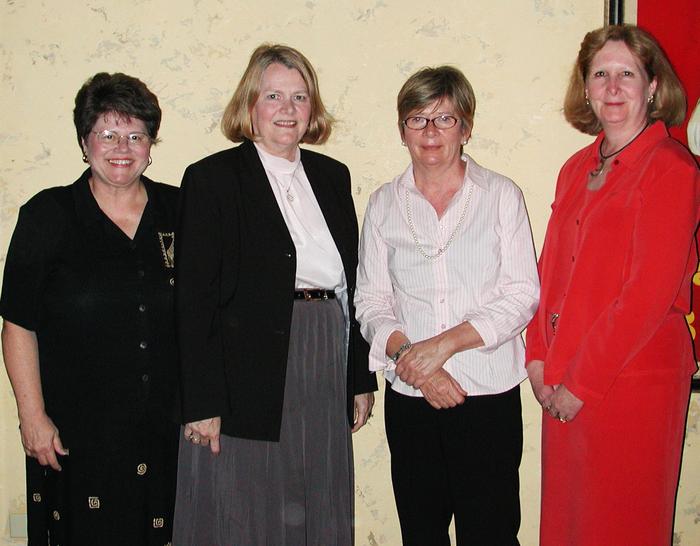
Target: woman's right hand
pixel 41 440
pixel 542 392
pixel 205 432
pixel 442 391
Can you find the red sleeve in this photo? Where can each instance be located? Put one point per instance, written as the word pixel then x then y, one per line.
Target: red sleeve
pixel 535 348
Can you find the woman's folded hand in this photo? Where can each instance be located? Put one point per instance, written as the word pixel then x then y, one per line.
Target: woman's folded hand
pixel 442 391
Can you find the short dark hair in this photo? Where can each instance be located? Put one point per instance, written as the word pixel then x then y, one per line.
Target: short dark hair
pixel 669 102
pixel 124 95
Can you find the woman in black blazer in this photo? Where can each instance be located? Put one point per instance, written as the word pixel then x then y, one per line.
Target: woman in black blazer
pixel 274 369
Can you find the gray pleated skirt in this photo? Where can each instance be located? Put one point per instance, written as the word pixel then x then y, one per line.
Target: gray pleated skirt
pixel 295 492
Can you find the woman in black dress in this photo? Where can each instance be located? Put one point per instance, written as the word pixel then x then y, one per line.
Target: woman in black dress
pixel 88 336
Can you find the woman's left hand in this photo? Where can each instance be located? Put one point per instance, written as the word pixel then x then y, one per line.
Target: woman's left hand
pixel 206 432
pixel 363 409
pixel 563 405
pixel 421 361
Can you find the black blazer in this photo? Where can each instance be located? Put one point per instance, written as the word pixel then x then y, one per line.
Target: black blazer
pixel 236 265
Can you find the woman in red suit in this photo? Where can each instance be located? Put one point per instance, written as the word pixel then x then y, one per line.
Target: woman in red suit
pixel 609 353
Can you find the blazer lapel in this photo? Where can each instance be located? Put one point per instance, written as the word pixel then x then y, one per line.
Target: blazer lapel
pixel 329 202
pixel 259 192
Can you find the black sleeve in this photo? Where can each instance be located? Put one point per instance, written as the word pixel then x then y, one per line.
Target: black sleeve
pixel 363 380
pixel 199 255
pixel 28 263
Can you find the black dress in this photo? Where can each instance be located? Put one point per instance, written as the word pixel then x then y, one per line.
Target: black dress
pixel 101 306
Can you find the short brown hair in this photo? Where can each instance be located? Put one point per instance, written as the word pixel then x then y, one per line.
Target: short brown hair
pixel 669 98
pixel 237 123
pixel 434 84
pixel 125 96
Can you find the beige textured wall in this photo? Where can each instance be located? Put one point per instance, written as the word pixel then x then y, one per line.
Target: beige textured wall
pixel 517 54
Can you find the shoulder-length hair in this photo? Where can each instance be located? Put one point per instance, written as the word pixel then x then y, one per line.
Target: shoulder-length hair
pixel 669 98
pixel 237 123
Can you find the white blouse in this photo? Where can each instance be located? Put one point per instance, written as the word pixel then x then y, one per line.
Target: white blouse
pixel 318 261
pixel 486 276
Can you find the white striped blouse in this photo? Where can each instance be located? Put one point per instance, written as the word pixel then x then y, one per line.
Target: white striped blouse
pixel 487 276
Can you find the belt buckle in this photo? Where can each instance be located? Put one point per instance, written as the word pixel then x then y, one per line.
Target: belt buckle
pixel 307 295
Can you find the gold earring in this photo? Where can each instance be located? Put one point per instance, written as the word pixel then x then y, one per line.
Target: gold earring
pixel 85 159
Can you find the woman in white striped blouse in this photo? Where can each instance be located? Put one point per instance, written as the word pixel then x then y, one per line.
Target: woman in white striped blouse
pixel 447 281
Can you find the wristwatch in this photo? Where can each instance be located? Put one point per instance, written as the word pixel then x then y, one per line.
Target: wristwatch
pixel 405 347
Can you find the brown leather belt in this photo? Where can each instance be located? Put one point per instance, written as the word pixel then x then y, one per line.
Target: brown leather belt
pixel 313 294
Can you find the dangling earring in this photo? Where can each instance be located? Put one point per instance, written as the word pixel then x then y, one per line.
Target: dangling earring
pixel 150 160
pixel 85 159
pixel 585 94
pixel 651 98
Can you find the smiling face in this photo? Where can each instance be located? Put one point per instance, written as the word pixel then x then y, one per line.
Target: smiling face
pixel 281 114
pixel 431 147
pixel 618 89
pixel 117 166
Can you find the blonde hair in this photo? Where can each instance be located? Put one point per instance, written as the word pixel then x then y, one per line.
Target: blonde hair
pixel 434 84
pixel 669 97
pixel 237 123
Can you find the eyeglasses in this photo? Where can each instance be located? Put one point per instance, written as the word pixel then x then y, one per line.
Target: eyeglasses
pixel 111 139
pixel 418 123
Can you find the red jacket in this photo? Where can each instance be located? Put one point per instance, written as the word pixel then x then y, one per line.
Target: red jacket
pixel 616 267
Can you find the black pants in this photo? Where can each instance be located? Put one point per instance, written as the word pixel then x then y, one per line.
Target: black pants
pixel 460 462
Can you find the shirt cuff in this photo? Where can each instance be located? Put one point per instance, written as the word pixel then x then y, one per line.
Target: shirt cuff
pixel 378 360
pixel 486 330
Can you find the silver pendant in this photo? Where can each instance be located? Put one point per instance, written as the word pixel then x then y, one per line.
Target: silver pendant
pixel 599 169
pixel 290 197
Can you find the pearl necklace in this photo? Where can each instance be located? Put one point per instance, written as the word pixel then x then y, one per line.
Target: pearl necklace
pixel 441 250
pixel 602 158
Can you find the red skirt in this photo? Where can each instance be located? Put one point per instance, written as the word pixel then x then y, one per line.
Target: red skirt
pixel 610 476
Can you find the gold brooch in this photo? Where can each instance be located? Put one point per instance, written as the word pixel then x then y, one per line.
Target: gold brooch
pixel 167 248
